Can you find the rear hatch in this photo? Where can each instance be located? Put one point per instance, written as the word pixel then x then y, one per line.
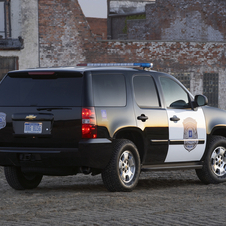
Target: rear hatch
pixel 41 109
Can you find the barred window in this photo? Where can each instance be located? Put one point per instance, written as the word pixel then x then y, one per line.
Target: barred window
pixel 210 88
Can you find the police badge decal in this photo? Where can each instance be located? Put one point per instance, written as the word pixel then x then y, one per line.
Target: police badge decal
pixel 190 134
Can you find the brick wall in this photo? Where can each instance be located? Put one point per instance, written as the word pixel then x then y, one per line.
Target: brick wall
pixel 63 30
pixel 98 27
pixel 180 55
pixel 195 58
pixel 193 20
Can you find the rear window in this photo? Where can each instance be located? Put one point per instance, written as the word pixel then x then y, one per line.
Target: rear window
pixel 109 90
pixel 23 90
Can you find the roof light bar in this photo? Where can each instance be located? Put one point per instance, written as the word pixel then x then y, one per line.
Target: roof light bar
pixel 144 65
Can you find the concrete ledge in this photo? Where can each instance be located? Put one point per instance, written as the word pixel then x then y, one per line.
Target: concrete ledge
pixel 11 44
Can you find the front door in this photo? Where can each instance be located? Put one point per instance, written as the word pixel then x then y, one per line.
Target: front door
pixel 187 128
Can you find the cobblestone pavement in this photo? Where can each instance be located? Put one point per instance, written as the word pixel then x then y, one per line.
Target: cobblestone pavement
pixel 161 198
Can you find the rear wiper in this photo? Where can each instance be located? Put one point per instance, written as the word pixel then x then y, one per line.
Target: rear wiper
pixel 50 109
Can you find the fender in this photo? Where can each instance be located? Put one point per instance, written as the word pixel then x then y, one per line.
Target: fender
pixel 215 120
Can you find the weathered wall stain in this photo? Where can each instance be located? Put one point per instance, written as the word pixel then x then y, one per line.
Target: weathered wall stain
pixel 196 20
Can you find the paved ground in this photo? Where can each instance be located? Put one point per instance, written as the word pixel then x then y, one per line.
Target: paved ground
pixel 161 198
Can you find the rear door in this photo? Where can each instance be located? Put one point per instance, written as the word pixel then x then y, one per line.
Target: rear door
pixel 41 109
pixel 151 118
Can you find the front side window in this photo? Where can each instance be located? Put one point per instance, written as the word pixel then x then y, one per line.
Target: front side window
pixel 145 92
pixel 174 95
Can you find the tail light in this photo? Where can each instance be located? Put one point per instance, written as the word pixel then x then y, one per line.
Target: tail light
pixel 89 128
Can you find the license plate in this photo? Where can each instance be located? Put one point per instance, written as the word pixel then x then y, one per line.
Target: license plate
pixel 30 127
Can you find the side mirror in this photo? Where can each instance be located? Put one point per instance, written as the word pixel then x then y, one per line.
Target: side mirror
pixel 200 100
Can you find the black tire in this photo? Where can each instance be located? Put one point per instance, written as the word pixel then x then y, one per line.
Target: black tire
pixel 122 172
pixel 214 168
pixel 20 181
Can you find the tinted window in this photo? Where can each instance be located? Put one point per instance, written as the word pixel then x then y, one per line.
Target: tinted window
pixel 174 95
pixel 145 91
pixel 26 91
pixel 109 90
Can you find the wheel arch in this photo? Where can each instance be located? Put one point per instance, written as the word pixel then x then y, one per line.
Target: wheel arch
pixel 215 121
pixel 135 135
pixel 219 130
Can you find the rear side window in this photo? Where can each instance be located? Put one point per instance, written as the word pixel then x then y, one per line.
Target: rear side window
pixel 145 92
pixel 109 90
pixel 26 91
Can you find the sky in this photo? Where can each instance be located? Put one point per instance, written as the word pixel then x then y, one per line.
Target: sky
pixel 94 8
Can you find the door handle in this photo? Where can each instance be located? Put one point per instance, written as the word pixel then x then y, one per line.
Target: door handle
pixel 174 118
pixel 142 117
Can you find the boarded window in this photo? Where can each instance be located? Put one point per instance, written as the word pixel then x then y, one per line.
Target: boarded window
pixel 7 64
pixel 210 88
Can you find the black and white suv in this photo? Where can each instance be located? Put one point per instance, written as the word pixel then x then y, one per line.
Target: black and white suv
pixel 110 120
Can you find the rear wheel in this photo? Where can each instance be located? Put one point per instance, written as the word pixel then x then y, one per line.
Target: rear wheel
pixel 20 181
pixel 214 168
pixel 122 173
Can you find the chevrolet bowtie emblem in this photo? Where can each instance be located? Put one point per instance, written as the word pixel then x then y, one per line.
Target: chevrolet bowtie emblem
pixel 30 117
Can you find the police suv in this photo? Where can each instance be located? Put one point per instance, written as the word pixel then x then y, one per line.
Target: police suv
pixel 108 119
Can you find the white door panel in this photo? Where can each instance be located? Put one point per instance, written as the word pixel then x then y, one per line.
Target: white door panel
pixel 187 136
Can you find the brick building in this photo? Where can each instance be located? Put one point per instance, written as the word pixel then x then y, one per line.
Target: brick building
pixel 49 33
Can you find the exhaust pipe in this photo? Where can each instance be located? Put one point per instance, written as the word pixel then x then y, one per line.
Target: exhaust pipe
pixel 85 170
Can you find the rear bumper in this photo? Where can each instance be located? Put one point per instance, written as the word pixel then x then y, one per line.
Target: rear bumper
pixel 93 153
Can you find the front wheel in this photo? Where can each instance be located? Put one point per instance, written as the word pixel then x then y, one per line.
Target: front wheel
pixel 20 181
pixel 122 172
pixel 214 167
